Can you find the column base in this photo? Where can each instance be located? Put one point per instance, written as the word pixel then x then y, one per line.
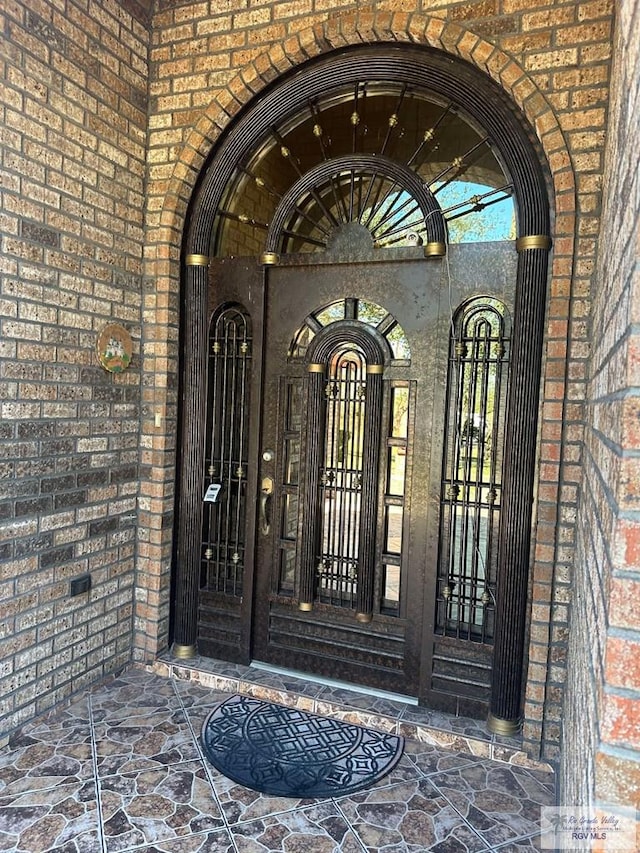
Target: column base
pixel 364 617
pixel 505 728
pixel 184 652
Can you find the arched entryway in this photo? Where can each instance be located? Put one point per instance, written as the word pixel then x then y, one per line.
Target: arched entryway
pixel 362 355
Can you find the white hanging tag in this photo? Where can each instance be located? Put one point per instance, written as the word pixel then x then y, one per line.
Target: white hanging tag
pixel 211 495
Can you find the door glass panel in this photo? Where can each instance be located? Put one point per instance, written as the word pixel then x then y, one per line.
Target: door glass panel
pixel 393 538
pixel 390 588
pixel 290 509
pixel 287 570
pixel 287 492
pixel 331 313
pixel 397 464
pixel 294 406
pixel 399 409
pixel 370 313
pixel 301 341
pixel 399 343
pixel 292 461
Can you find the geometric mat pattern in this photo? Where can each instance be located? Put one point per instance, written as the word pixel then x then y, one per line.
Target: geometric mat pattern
pixel 289 753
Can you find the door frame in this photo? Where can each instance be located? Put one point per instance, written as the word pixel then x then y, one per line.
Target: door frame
pixel 462 83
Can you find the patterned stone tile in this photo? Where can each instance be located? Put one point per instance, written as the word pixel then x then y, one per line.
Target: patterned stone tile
pixel 198 702
pixel 519 758
pixel 317 829
pixel 501 802
pixel 446 740
pixel 283 682
pixel 241 804
pixel 430 759
pixel 199 665
pixel 157 805
pixel 146 742
pixel 63 818
pixel 370 720
pixel 378 705
pixel 133 696
pixel 44 758
pixel 408 818
pixel 446 722
pixel 527 845
pixel 75 714
pixel 208 842
pixel 276 695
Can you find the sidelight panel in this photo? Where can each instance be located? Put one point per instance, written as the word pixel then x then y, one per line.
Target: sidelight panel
pixel 472 482
pixel 223 529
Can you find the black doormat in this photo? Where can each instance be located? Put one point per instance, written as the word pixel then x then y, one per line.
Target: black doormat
pixel 289 753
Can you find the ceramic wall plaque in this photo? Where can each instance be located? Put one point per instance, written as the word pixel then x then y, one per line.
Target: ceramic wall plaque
pixel 114 348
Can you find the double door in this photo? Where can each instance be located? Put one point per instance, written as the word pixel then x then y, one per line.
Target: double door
pixel 326 445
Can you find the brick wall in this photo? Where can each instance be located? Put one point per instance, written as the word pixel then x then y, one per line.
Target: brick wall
pixel 210 58
pixel 601 755
pixel 72 215
pixel 73 122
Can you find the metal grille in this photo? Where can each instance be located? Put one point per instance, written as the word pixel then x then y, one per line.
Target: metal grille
pixel 223 549
pixel 340 486
pixel 472 482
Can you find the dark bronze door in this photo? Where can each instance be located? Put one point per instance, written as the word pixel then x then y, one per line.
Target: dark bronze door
pixel 342 538
pixel 331 518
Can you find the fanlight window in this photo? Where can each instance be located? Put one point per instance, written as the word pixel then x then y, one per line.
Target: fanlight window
pixel 353 309
pixel 429 138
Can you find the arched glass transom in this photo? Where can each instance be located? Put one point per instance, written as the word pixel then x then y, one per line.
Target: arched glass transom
pixel 366 154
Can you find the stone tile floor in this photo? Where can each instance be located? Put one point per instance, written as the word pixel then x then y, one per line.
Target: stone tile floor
pixel 121 769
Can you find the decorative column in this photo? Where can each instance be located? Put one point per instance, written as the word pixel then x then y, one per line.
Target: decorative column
pixel 191 451
pixel 517 495
pixel 369 492
pixel 315 387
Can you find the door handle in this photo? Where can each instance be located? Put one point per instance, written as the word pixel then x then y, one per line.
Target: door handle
pixel 266 491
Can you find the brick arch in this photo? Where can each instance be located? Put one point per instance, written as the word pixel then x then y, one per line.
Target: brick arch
pixel 163 249
pixel 368 27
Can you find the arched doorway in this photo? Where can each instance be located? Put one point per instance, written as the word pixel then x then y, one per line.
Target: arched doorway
pixel 362 353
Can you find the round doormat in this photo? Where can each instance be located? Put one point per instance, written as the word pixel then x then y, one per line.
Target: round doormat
pixel 290 753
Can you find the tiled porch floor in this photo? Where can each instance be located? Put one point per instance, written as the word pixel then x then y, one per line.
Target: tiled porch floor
pixel 121 769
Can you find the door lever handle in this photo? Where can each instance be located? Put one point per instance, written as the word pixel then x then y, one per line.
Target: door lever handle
pixel 266 491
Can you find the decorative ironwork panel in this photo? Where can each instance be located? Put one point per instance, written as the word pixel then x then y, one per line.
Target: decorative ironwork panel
pixel 223 530
pixel 340 486
pixel 472 481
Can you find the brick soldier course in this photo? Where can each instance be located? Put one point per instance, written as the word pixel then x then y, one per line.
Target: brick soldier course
pixel 109 112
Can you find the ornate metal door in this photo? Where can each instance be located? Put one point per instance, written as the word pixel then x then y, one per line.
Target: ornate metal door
pixel 367 512
pixel 353 468
pixel 340 447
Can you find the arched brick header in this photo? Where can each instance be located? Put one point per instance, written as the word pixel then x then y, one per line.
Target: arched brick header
pixel 367 28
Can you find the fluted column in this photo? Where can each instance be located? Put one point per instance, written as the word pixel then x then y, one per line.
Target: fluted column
pixel 191 452
pixel 517 495
pixel 369 491
pixel 315 387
